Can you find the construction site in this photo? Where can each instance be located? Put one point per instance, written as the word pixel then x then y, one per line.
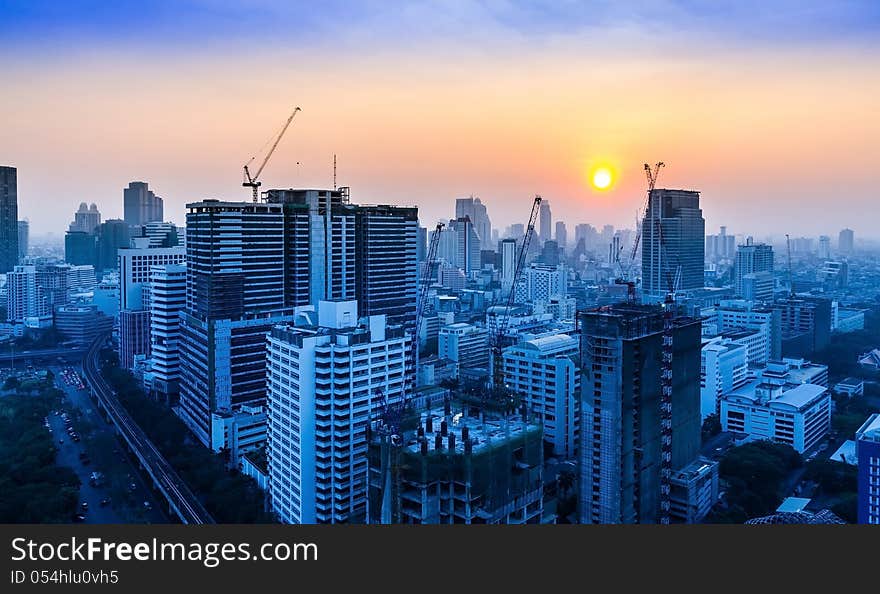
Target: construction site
pixel 447 465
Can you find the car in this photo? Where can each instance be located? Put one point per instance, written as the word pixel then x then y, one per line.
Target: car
pixel 147 506
pixel 84 505
pixel 75 438
pixel 132 487
pixel 60 441
pixel 79 518
pixel 105 502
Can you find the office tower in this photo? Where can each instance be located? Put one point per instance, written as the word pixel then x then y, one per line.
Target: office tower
pixel 868 455
pixel 141 205
pixel 607 235
pixel 475 210
pixel 160 234
pixel 460 246
pixel 485 469
pixel 422 244
pixel 733 316
pixel 235 294
pixel 23 239
pixel 824 247
pixel 561 235
pixel 753 258
pixel 539 282
pixel 846 242
pixel 319 244
pixel 79 325
pixel 673 245
pixel 8 218
pixel 466 345
pixel 134 267
pixel 550 253
pixel 327 378
pixel 385 255
pixel 545 373
pixel 80 248
pixel 721 246
pixel 545 221
pixel 167 300
pixel 86 219
pixel 620 450
pixel 724 366
pixel 235 258
pixel 517 231
pixel 507 250
pixel 112 235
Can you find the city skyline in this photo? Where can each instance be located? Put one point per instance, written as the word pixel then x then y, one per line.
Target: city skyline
pixel 728 98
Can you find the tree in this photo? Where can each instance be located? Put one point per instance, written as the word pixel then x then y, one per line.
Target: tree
pixel 711 426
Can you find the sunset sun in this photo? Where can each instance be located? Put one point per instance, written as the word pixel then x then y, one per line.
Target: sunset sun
pixel 602 178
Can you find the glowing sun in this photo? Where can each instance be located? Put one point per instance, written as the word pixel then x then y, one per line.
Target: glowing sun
pixel 602 178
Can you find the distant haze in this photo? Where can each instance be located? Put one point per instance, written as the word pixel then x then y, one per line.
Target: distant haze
pixel 773 117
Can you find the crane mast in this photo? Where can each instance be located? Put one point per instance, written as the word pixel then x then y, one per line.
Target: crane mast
pixel 501 325
pixel 421 300
pixel 253 182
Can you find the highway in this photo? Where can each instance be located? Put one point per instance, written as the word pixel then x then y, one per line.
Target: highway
pixel 180 499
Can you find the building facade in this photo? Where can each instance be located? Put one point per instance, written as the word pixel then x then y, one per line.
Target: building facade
pixel 8 218
pixel 673 242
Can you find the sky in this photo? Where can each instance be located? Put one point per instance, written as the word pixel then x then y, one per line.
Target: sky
pixel 768 108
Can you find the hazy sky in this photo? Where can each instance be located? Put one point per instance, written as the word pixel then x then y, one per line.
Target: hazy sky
pixel 770 108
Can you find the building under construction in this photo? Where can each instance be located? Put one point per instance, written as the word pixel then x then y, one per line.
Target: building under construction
pixel 625 443
pixel 454 468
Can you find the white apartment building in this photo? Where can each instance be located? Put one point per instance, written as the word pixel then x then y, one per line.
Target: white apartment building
pixel 540 282
pixel 724 367
pixel 797 415
pixel 465 344
pixel 326 379
pixel 545 372
pixel 135 267
pixel 167 300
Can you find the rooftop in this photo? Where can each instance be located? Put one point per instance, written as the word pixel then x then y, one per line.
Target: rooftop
pixel 870 430
pixel 792 505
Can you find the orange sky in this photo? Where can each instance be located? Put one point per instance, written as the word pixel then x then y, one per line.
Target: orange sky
pixel 778 141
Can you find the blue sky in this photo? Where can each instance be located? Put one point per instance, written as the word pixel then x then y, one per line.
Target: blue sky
pixel 156 23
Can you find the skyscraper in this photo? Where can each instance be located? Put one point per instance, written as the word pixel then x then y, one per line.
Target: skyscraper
pixel 474 209
pixel 545 221
pixel 824 247
pixel 319 244
pixel 845 241
pixel 8 218
pixel 620 425
pixel 167 300
pixel 753 258
pixel 23 239
pixel 561 235
pixel 112 235
pixel 673 242
pixel 508 263
pixel 86 219
pixel 459 245
pixel 385 253
pixel 140 204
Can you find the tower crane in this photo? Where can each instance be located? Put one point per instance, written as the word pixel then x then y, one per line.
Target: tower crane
pixel 652 175
pixel 421 300
pixel 497 339
pixel 253 182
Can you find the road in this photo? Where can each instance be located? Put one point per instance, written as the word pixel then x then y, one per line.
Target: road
pixel 20 358
pixel 123 486
pixel 181 500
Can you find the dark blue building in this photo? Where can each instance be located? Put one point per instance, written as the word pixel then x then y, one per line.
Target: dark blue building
pixel 868 453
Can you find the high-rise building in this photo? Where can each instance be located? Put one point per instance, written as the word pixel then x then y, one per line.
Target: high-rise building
pixel 24 296
pixel 550 253
pixel 824 247
pixel 845 242
pixel 8 218
pixel 460 245
pixel 422 244
pixel 586 233
pixel 466 345
pixel 475 210
pixel 112 235
pixel 319 245
pixel 620 450
pixel 673 245
pixel 24 228
pixel 561 235
pixel 34 292
pixel 160 234
pixel 167 300
pixel 752 258
pixel 868 456
pixel 141 205
pixel 805 323
pixel 135 267
pixel 134 336
pixel 720 247
pixel 86 219
pixel 734 315
pixel 545 373
pixel 539 282
pixel 327 378
pixel 545 221
pixel 386 262
pixel 724 366
pixel 507 250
